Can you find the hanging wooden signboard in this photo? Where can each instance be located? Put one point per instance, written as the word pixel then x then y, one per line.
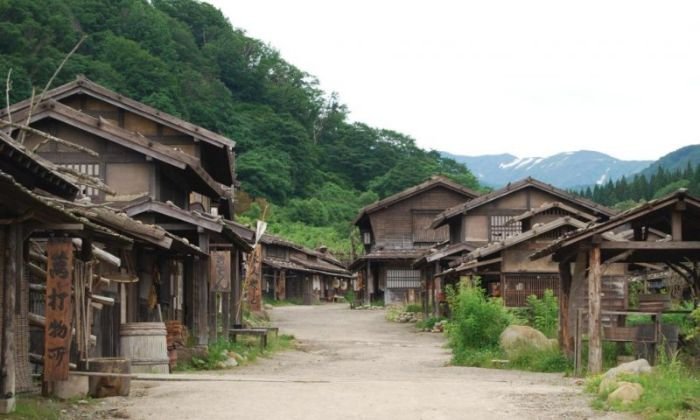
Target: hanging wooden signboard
pixel 59 309
pixel 220 271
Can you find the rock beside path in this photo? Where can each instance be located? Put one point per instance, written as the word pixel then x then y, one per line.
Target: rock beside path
pixel 516 337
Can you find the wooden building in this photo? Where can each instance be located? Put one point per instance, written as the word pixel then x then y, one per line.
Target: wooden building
pixel 396 230
pixel 584 256
pixel 293 272
pixel 160 169
pixel 504 221
pixel 29 211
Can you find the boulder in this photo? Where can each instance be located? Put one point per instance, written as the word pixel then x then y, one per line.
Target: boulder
pixel 634 368
pixel 607 385
pixel 517 337
pixel 626 393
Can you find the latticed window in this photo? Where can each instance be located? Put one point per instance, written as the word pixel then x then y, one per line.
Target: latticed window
pixel 402 279
pixel 500 229
pixel 91 169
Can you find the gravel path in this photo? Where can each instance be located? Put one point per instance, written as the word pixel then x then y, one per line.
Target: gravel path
pixel 355 365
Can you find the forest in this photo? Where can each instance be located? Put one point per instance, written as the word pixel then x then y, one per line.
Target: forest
pixel 626 193
pixel 303 165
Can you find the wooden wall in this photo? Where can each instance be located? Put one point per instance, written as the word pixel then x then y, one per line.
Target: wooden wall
pixel 393 226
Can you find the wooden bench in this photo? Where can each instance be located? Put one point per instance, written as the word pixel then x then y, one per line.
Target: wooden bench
pixel 261 333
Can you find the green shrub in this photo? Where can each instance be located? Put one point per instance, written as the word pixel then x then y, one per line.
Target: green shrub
pixel 428 323
pixel 414 308
pixel 351 298
pixel 543 314
pixel 477 322
pixel 529 358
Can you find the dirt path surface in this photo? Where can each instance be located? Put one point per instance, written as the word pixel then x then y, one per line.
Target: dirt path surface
pixel 356 365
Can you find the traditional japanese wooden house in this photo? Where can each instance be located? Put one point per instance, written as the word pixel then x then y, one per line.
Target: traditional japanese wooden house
pixel 584 255
pixel 184 172
pixel 396 230
pixel 497 218
pixel 293 272
pixel 28 214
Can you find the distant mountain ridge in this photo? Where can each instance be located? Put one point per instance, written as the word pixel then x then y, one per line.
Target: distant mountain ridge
pixel 564 170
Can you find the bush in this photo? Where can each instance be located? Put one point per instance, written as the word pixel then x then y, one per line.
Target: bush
pixel 351 298
pixel 414 308
pixel 477 321
pixel 543 314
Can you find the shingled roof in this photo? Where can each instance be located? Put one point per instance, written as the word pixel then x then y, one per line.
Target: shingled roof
pixel 596 209
pixel 81 85
pixel 433 182
pixel 125 138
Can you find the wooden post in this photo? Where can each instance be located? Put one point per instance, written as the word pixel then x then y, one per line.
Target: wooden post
pixel 283 285
pixel 595 344
pixel 676 225
pixel 236 288
pixel 203 295
pixel 275 286
pixel 7 350
pixel 368 281
pixel 565 337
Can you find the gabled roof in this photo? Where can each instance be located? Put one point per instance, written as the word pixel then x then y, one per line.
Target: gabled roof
pixel 125 138
pixel 448 214
pixel 551 205
pixel 627 217
pixel 84 86
pixel 268 239
pixel 537 230
pixel 33 171
pixel 202 220
pixel 433 182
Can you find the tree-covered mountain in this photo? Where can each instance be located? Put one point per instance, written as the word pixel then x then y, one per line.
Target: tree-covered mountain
pixel 565 170
pixel 296 147
pixel 676 160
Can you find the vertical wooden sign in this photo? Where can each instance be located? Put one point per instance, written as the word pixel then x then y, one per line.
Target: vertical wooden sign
pixel 220 271
pixel 57 335
pixel 254 279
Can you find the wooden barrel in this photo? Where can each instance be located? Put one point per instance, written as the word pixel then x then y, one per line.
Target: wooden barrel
pixel 144 344
pixel 109 386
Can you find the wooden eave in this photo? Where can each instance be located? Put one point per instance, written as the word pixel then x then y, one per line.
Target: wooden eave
pixel 474 264
pixel 433 182
pixel 140 144
pixel 631 216
pixel 32 170
pixel 174 212
pixel 551 205
pixel 444 217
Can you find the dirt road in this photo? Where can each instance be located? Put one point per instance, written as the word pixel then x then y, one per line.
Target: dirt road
pixel 356 365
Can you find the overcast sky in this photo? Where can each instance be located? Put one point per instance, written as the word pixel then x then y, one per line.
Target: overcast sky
pixel 531 78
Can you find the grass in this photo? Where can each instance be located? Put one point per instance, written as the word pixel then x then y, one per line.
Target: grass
pixel 428 323
pixel 671 391
pixel 284 302
pixel 527 359
pixel 247 348
pixel 34 407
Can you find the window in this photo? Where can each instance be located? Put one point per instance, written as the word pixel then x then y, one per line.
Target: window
pixel 500 229
pixel 91 169
pixel 402 279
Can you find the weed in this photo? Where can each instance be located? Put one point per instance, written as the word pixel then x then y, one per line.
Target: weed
pixel 543 314
pixel 413 308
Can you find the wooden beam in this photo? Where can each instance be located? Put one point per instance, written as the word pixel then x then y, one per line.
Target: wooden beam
pixel 8 271
pixel 652 246
pixel 595 343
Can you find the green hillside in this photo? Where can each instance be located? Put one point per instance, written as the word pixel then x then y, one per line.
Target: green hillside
pixel 296 147
pixel 676 160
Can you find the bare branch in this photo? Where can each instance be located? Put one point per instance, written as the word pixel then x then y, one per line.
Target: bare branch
pixel 8 88
pixel 58 70
pixel 47 137
pixel 23 134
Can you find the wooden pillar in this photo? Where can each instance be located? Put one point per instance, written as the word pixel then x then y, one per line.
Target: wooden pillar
pixel 7 349
pixel 676 225
pixel 282 285
pixel 595 343
pixel 202 283
pixel 566 339
pixel 275 286
pixel 368 282
pixel 236 287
